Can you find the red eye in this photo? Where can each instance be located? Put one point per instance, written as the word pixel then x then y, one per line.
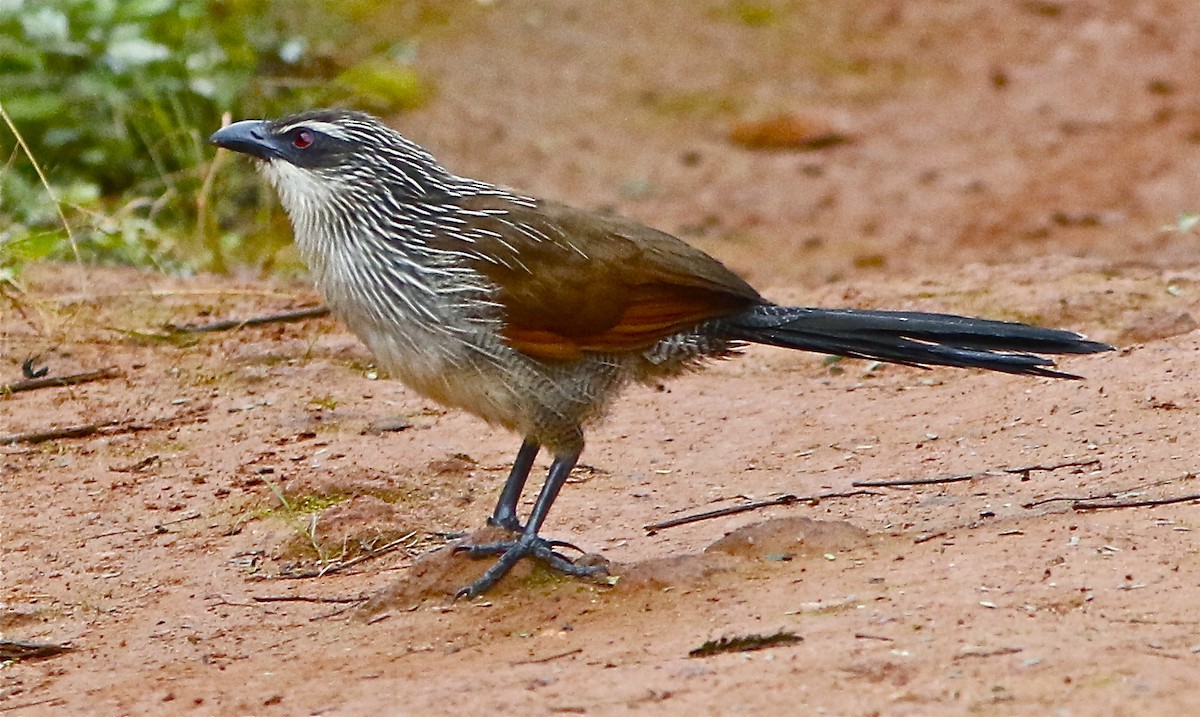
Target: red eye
pixel 303 139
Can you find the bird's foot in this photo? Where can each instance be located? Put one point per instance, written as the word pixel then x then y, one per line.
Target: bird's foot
pixel 511 552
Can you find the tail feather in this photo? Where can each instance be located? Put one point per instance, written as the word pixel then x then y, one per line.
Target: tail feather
pixel 912 338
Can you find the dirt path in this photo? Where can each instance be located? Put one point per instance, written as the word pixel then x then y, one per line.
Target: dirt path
pixel 1015 160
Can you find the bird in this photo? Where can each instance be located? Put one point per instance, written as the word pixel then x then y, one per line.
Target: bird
pixel 534 315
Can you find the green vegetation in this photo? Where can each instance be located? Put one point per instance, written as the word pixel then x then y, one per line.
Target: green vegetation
pixel 115 100
pixel 698 104
pixel 328 403
pixel 1185 223
pixel 754 14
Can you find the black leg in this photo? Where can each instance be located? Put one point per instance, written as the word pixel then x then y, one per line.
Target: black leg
pixel 529 544
pixel 560 471
pixel 505 514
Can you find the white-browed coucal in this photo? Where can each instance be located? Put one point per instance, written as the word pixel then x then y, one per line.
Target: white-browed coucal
pixel 534 315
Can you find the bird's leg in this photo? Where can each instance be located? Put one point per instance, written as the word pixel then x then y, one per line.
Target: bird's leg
pixel 505 514
pixel 529 544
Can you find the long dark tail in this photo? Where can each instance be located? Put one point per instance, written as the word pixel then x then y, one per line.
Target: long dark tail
pixel 913 338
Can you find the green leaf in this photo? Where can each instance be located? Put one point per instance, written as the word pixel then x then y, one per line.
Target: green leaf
pixel 384 86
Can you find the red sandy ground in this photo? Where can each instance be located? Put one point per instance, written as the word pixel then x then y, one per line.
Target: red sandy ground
pixel 1011 159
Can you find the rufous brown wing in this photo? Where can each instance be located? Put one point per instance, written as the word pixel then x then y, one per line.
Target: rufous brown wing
pixel 572 282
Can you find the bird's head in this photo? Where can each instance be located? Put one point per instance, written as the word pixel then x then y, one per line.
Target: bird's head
pixel 341 155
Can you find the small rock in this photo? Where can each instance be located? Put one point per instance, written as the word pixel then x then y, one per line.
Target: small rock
pixel 786 131
pixel 387 424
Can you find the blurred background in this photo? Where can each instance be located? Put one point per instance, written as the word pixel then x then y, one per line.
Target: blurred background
pixel 801 141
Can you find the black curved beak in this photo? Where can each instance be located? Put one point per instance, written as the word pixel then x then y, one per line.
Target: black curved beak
pixel 248 137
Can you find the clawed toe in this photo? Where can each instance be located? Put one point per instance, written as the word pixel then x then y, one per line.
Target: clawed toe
pixel 512 551
pixel 565 544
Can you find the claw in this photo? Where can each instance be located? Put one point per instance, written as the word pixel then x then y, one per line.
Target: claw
pixel 565 544
pixel 511 552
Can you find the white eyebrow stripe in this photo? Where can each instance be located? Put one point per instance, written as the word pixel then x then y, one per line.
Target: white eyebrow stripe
pixel 327 128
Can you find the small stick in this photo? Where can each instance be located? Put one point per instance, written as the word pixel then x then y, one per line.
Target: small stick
pixel 101 296
pixel 788 499
pixel 987 652
pixel 1104 496
pixel 69 380
pixel 332 568
pixel 969 476
pixel 50 434
pixel 30 649
pixel 745 643
pixel 56 701
pixel 340 610
pixel 135 467
pixel 1070 464
pixel 190 515
pixel 1091 505
pixel 158 529
pixel 312 312
pixel 914 481
pixel 88 429
pixel 305 598
pixel 547 658
pixel 1068 499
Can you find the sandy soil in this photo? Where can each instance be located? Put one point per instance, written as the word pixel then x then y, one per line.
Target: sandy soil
pixel 1017 160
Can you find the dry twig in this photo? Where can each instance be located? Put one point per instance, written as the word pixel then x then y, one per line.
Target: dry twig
pixel 306 598
pixel 68 380
pixel 745 643
pixel 312 312
pixel 77 431
pixel 87 429
pixel 1110 495
pixel 1024 472
pixel 30 649
pixel 338 566
pixel 158 529
pixel 1069 464
pixel 547 658
pixel 56 701
pixel 788 499
pixel 1095 505
pixel 915 481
